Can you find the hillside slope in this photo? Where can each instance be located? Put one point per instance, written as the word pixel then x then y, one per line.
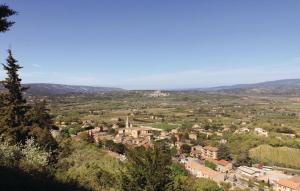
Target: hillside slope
pixel 279 87
pixel 52 89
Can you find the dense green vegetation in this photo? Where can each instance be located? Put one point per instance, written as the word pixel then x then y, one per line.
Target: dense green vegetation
pixel 87 165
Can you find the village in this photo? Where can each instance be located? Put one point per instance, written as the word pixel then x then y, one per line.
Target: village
pixel 199 160
pixel 150 95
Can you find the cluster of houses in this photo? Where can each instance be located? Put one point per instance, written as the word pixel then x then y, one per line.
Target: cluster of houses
pixel 196 166
pixel 158 93
pixel 258 131
pixel 133 136
pixel 279 180
pixel 224 170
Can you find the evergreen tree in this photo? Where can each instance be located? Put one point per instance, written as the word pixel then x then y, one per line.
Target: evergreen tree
pixel 223 152
pixel 243 159
pixel 39 115
pixel 147 169
pixel 185 148
pixel 14 105
pixel 2 111
pixel 5 12
pixel 14 122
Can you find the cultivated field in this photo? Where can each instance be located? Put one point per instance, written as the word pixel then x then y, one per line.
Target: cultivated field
pixel 281 156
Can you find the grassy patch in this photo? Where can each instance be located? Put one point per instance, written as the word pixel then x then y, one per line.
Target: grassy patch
pixel 165 126
pixel 280 156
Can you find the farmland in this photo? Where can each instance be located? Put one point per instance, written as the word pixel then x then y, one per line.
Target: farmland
pixel 280 156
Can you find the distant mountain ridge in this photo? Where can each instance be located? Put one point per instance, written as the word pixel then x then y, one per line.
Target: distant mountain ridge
pixel 289 87
pixel 52 89
pixel 277 87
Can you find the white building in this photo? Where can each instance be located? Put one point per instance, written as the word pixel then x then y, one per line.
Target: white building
pixel 261 132
pixel 158 93
pixel 248 172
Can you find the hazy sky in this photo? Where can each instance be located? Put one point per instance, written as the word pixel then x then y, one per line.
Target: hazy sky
pixel 141 44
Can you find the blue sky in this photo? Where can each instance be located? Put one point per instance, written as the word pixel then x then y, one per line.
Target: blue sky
pixel 155 44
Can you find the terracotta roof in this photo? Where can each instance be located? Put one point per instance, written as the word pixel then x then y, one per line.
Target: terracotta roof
pixel 289 183
pixel 222 162
pixel 209 172
pixel 295 179
pixel 195 164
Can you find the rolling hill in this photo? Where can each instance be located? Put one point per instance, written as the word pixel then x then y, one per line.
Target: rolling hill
pixel 290 87
pixel 279 87
pixel 52 89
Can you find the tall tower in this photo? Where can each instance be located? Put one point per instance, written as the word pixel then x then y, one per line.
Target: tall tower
pixel 127 122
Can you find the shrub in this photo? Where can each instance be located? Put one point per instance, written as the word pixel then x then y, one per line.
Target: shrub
pixel 210 165
pixel 29 156
pixel 88 166
pixel 34 157
pixel 9 154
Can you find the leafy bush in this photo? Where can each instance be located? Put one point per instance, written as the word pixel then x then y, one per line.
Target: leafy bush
pixel 204 184
pixel 285 130
pixel 177 170
pixel 87 165
pixel 115 147
pixel 210 165
pixel 9 154
pixel 29 156
pixel 147 169
pixel 34 157
pixel 185 148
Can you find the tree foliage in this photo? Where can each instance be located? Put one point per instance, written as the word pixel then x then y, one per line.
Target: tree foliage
pixel 6 12
pixel 115 147
pixel 39 115
pixel 87 165
pixel 29 156
pixel 185 148
pixel 147 169
pixel 18 121
pixel 224 153
pixel 243 159
pixel 14 105
pixel 206 185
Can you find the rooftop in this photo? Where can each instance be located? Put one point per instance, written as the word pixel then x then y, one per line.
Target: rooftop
pixel 289 183
pixel 195 164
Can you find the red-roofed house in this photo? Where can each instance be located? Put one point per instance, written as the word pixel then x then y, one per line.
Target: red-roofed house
pixel 200 171
pixel 291 184
pixel 223 165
